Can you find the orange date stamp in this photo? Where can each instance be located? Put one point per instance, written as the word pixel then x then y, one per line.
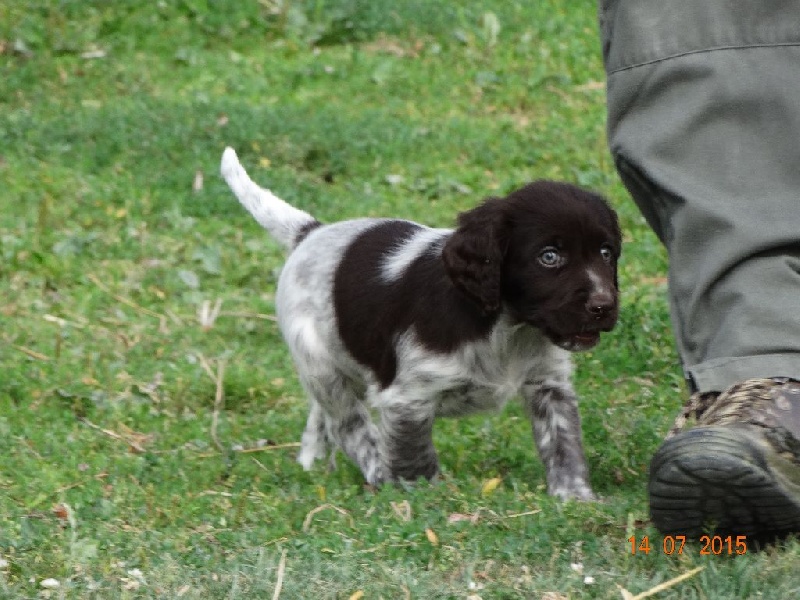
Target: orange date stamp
pixel 710 545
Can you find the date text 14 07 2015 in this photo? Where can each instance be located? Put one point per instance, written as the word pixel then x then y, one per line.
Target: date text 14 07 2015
pixel 674 544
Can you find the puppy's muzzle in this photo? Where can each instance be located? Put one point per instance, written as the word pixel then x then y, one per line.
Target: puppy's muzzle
pixel 601 304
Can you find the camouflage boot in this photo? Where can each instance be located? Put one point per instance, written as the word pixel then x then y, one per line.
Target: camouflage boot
pixel 731 464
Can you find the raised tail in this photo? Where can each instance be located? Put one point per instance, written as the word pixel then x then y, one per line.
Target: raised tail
pixel 287 224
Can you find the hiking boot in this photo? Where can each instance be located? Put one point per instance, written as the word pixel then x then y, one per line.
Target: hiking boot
pixel 731 464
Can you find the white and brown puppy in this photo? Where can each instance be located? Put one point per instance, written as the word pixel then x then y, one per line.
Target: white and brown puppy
pixel 414 323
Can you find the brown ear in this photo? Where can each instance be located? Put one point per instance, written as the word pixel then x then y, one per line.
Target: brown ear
pixel 473 256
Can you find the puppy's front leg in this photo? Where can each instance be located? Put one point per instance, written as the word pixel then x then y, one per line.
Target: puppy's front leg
pixel 556 424
pixel 406 436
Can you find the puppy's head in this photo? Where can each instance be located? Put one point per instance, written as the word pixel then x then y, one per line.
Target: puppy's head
pixel 547 254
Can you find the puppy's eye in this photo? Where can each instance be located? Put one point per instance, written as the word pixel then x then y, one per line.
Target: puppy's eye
pixel 550 257
pixel 606 253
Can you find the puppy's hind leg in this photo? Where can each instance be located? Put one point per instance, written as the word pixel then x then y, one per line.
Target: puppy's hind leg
pixel 340 416
pixel 315 442
pixel 358 438
pixel 553 411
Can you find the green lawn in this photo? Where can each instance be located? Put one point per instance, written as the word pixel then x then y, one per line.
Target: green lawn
pixel 123 473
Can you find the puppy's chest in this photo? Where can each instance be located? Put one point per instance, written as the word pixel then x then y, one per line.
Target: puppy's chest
pixel 476 396
pixel 487 380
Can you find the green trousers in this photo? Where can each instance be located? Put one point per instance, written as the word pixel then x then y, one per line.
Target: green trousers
pixel 704 127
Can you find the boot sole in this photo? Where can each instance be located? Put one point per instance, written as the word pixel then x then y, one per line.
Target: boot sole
pixel 717 480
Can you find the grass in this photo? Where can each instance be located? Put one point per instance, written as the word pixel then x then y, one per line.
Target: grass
pixel 124 474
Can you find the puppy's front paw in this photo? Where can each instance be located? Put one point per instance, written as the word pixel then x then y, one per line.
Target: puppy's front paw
pixel 575 491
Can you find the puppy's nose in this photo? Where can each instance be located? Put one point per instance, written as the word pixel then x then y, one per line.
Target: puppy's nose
pixel 600 304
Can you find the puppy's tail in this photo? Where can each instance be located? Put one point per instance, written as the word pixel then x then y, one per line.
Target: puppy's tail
pixel 287 224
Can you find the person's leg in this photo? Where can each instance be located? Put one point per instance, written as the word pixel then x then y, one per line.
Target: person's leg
pixel 704 127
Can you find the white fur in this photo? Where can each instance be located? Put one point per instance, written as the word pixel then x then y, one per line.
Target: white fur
pixel 282 220
pixel 599 287
pixel 406 253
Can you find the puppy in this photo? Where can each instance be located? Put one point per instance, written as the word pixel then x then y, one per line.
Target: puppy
pixel 413 323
